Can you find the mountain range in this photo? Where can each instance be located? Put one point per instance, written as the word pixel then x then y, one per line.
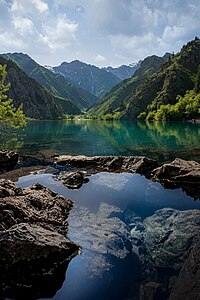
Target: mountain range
pixel 91 78
pixel 123 72
pixel 56 84
pixel 117 98
pixel 158 87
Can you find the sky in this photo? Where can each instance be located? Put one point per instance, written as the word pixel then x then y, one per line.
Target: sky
pixel 99 32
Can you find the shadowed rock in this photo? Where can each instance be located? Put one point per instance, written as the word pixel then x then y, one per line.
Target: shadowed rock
pixel 187 286
pixel 72 180
pixel 8 159
pixel 33 245
pixel 180 173
pixel 136 164
pixel 169 235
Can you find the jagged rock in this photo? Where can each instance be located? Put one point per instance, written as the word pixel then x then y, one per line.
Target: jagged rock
pixel 73 180
pixel 8 159
pixel 136 164
pixel 187 286
pixel 32 237
pixel 169 236
pixel 180 173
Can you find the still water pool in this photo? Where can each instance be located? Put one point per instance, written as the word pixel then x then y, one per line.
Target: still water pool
pixel 99 223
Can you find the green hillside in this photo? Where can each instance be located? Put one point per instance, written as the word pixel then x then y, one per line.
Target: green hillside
pixel 58 85
pixel 118 97
pixel 162 88
pixel 37 102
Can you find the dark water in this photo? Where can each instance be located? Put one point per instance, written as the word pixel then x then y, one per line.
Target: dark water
pixel 162 141
pixel 98 274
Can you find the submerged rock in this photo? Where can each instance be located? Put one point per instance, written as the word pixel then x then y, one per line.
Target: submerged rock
pixel 187 286
pixel 180 173
pixel 169 235
pixel 136 164
pixel 32 237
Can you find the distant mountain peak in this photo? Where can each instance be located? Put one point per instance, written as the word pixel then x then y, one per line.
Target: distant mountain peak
pixel 89 77
pixel 123 71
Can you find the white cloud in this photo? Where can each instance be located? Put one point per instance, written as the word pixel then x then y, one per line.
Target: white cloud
pixel 100 58
pixel 31 6
pixel 111 31
pixel 60 33
pixel 23 26
pixel 41 6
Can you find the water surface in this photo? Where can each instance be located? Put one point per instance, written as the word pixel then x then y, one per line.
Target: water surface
pixel 98 274
pixel 162 141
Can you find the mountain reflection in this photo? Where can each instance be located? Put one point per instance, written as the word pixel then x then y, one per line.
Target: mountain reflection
pixel 158 140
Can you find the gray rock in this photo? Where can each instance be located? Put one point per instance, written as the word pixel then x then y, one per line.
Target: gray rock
pixel 187 286
pixel 151 291
pixel 33 245
pixel 180 173
pixel 169 235
pixel 102 234
pixel 136 164
pixel 72 180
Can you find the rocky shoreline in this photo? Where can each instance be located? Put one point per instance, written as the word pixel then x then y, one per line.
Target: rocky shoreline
pixel 33 243
pixel 166 243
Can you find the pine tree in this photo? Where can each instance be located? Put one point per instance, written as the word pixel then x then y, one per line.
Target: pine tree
pixel 10 116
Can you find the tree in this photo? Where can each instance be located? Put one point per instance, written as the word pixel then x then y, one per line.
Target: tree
pixel 197 83
pixel 10 116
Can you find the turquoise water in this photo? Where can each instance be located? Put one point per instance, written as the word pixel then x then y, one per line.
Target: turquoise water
pixel 162 141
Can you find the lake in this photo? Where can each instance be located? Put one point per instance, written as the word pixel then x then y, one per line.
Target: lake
pixel 110 211
pixel 161 141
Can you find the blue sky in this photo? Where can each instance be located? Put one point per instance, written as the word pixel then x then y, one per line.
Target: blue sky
pixel 100 32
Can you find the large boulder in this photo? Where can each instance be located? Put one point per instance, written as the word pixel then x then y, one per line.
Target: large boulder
pixel 33 245
pixel 136 164
pixel 180 173
pixel 168 238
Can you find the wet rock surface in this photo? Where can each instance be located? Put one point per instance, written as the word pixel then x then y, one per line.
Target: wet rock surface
pixel 187 286
pixel 165 245
pixel 32 236
pixel 168 239
pixel 180 173
pixel 138 164
pixel 72 180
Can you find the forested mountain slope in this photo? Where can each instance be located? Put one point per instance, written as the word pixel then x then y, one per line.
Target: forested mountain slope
pixel 57 84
